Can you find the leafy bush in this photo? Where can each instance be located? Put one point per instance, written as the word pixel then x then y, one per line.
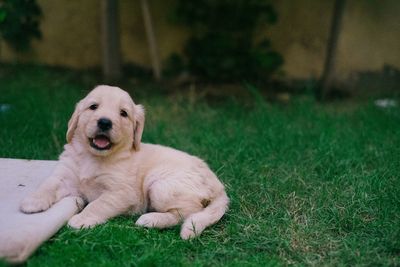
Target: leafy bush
pixel 223 46
pixel 19 22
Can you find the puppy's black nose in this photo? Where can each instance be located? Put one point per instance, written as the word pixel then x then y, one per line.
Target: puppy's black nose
pixel 104 124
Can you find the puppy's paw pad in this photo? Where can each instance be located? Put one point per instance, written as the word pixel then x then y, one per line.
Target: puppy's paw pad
pixel 34 204
pixel 81 222
pixel 146 220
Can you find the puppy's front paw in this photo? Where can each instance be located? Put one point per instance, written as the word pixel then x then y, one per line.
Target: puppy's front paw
pixel 34 204
pixel 79 221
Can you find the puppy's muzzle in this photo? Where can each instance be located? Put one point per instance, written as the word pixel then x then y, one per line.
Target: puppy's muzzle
pixel 102 141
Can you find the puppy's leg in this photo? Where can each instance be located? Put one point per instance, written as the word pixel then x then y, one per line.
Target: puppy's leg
pixel 108 205
pixel 159 219
pixel 51 191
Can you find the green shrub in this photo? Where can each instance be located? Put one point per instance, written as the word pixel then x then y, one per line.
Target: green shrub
pixel 222 46
pixel 19 22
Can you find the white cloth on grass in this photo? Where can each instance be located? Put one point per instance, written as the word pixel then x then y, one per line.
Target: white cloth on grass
pixel 21 234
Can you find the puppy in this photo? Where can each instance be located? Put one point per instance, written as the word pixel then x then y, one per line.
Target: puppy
pixel 105 163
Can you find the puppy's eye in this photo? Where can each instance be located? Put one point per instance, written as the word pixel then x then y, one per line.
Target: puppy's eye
pixel 94 106
pixel 123 113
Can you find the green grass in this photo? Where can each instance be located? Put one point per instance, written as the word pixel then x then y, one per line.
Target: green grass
pixel 309 184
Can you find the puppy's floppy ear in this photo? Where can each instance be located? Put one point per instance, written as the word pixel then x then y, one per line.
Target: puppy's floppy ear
pixel 138 126
pixel 73 121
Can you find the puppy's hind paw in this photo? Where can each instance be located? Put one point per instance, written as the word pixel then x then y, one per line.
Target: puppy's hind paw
pixel 146 220
pixel 188 233
pixel 191 229
pixel 34 204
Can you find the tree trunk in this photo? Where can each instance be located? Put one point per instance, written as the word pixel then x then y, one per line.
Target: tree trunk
pixel 111 56
pixel 328 73
pixel 151 39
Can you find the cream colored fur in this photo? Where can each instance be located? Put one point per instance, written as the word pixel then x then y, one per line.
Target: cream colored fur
pixel 167 185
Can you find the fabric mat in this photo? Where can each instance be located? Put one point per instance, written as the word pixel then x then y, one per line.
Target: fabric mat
pixel 21 234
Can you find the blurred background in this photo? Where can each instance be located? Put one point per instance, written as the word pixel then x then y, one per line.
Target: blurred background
pixel 334 48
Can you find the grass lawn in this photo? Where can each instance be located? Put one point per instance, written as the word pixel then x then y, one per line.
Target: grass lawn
pixel 309 184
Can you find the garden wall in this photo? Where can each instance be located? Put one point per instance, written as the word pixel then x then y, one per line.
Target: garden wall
pixel 369 41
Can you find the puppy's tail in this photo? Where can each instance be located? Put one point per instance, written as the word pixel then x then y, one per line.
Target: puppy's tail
pixel 195 223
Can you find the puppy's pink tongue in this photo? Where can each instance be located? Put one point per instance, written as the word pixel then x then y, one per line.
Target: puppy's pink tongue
pixel 101 141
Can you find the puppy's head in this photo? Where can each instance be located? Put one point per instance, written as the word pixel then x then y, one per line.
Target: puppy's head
pixel 107 120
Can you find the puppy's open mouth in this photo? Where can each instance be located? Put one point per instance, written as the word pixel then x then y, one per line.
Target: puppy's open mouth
pixel 100 142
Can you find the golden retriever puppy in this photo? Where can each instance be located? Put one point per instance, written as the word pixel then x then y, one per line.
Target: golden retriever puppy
pixel 105 163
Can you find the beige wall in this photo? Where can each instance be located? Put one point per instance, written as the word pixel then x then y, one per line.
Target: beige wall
pixel 70 32
pixel 369 40
pixel 301 34
pixel 371 36
pixel 170 37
